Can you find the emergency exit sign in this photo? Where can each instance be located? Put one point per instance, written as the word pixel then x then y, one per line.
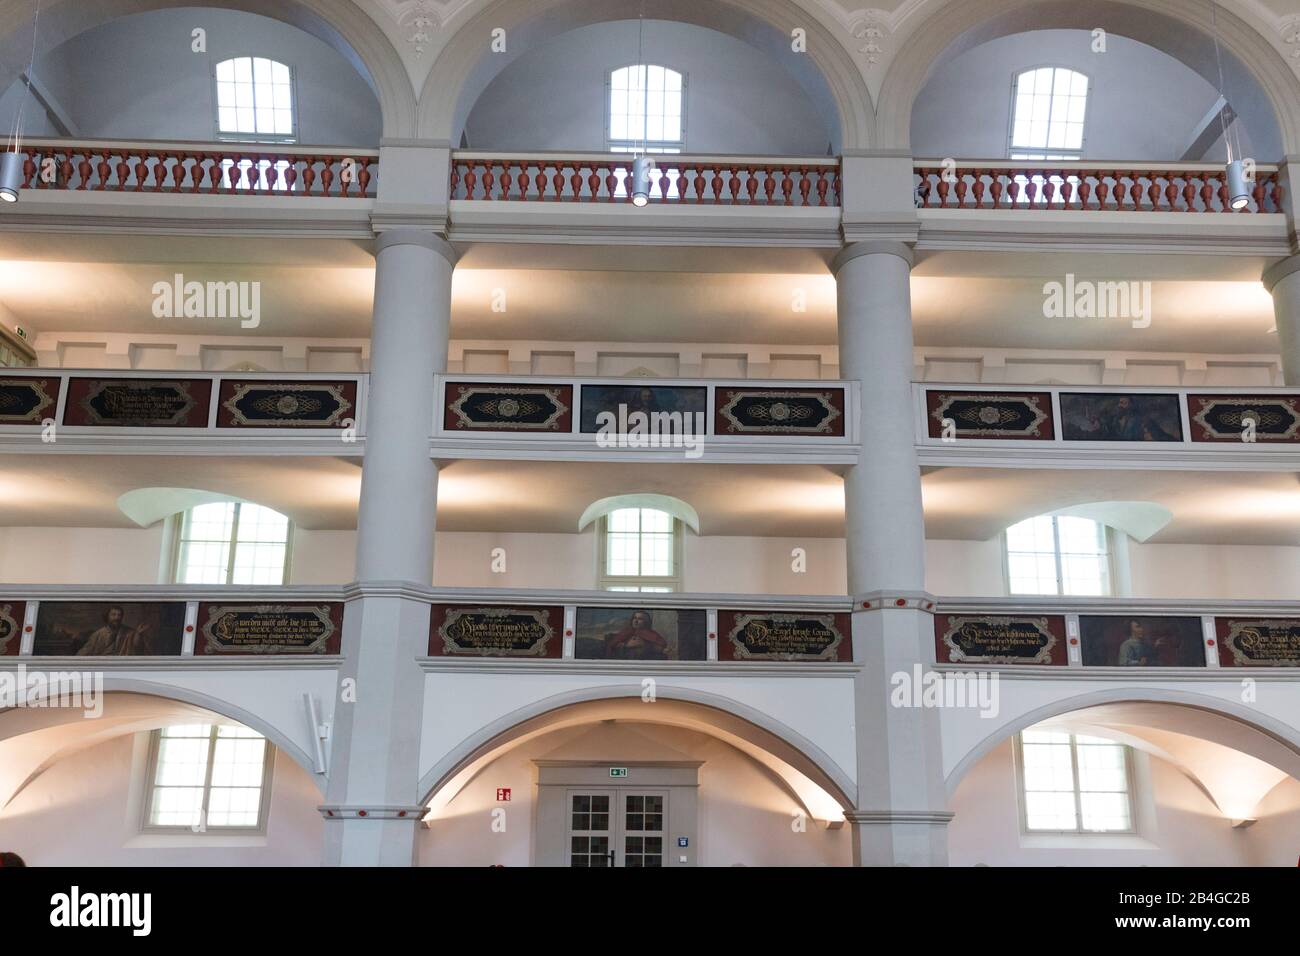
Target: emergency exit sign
pixel 618 771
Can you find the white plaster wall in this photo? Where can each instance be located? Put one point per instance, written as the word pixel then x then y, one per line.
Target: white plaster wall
pixel 1188 829
pixel 744 816
pixel 1143 104
pixel 713 564
pixel 1275 839
pixel 136 78
pixel 737 99
pixel 80 812
pixel 131 556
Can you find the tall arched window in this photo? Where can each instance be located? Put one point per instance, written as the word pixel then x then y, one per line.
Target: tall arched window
pixel 640 550
pixel 1048 108
pixel 232 542
pixel 645 108
pixel 255 100
pixel 1058 554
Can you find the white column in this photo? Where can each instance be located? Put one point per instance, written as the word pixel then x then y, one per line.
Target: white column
pixel 901 815
pixel 371 807
pixel 1283 281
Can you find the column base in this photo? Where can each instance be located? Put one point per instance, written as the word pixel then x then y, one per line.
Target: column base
pixel 371 835
pixel 899 837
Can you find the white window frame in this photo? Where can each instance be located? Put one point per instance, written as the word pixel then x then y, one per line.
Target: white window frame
pixel 1107 533
pixel 1046 154
pixel 1130 793
pixel 610 582
pixel 649 146
pixel 232 136
pixel 151 790
pixel 178 545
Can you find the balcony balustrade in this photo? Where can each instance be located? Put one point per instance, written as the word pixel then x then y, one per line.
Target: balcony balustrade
pixel 229 169
pixel 675 179
pixel 216 625
pixel 1089 187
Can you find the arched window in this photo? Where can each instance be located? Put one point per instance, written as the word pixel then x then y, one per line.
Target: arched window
pixel 644 110
pixel 640 550
pixel 232 542
pixel 1048 108
pixel 1058 554
pixel 255 100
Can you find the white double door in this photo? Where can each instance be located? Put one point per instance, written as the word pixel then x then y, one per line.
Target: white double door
pixel 617 826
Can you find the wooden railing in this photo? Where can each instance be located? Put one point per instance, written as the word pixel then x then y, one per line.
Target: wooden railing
pixel 597 177
pixel 204 168
pixel 1191 187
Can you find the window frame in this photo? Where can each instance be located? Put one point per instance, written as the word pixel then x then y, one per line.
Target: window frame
pixel 151 788
pixel 1130 793
pixel 1049 154
pixel 609 582
pixel 269 138
pixel 178 546
pixel 1107 535
pixel 650 147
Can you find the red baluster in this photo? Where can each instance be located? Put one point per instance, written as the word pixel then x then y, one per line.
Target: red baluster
pixel 698 182
pixel 823 184
pixel 1189 194
pixel 455 179
pixel 471 180
pixel 593 183
pixel 291 174
pixel 326 176
pixel 104 170
pixel 1049 190
pixel 769 185
pixel 1171 193
pixel 944 187
pixel 557 182
pixel 611 181
pixel 489 178
pixel 961 190
pixel 805 185
pixel 1259 194
pixel 365 176
pixel 1083 190
pixel 717 185
pixel 1207 192
pixel 751 183
pixel 29 170
pixel 1279 193
pixel 995 188
pixel 1103 191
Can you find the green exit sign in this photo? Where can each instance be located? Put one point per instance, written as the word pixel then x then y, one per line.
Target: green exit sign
pixel 618 771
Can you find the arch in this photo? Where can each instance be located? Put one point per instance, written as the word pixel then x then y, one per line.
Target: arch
pixel 145 506
pixel 674 506
pixel 465 66
pixel 341 24
pixel 1180 29
pixel 719 716
pixel 222 708
pixel 1278 731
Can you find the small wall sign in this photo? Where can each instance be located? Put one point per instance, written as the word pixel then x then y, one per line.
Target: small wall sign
pixel 683 841
pixel 503 794
pixel 618 771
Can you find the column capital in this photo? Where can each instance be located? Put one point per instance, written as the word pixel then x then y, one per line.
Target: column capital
pixel 873 248
pixel 417 237
pixel 1279 271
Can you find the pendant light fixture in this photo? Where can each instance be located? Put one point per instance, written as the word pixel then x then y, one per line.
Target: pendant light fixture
pixel 11 163
pixel 641 163
pixel 1238 187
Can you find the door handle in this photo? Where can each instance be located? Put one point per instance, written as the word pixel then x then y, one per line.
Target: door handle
pixel 611 858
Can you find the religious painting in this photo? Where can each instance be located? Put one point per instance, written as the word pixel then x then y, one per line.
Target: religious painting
pixel 11 627
pixel 611 408
pixel 1134 417
pixel 261 404
pixel 477 631
pixel 999 639
pixel 1258 642
pixel 25 401
pixel 1141 641
pixel 779 411
pixel 1244 418
pixel 1020 416
pixel 269 628
pixel 508 407
pixel 640 634
pixel 138 402
pixel 784 636
pixel 109 629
